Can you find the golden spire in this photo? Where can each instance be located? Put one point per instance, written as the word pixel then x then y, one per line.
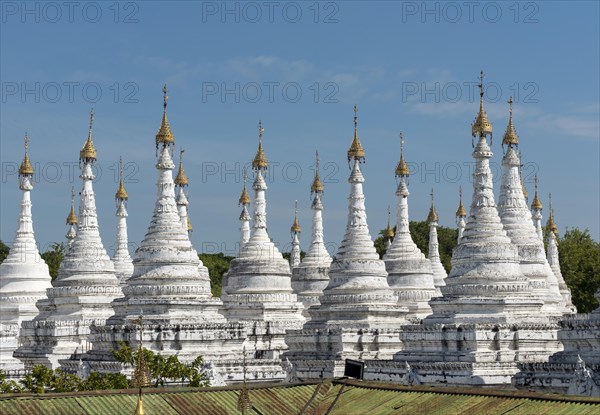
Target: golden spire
pixel 481 126
pixel 26 168
pixel 121 192
pixel 551 225
pixel 388 232
pixel 356 150
pixel 402 168
pixel 296 226
pixel 244 198
pixel 461 212
pixel 72 218
pixel 181 179
pixel 317 186
pixel 189 225
pixel 510 136
pixel 140 372
pixel 433 216
pixel 244 404
pixel 536 204
pixel 88 153
pixel 260 160
pixel 164 135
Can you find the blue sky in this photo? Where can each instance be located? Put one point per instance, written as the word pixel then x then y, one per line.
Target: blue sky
pixel 300 67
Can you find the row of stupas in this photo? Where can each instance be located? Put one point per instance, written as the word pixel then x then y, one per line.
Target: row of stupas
pixel 498 313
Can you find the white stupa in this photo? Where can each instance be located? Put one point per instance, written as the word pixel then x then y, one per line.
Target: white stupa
pixel 517 222
pixel 82 293
pixel 358 316
pixel 310 277
pixel 461 215
pixel 295 230
pixel 71 221
pixel 121 258
pixel 439 273
pixel 24 276
pixel 410 273
pixel 259 279
pixel 552 256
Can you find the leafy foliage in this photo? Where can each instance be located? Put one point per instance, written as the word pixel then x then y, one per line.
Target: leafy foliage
pixel 217 265
pixel 54 257
pixel 579 257
pixel 4 249
pixel 165 370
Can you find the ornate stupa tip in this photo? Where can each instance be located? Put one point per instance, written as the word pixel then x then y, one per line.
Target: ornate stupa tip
pixel 121 194
pixel 356 150
pixel 181 179
pixel 550 224
pixel 461 212
pixel 244 197
pixel 536 204
pixel 190 228
pixel 481 126
pixel 260 160
pixel 402 169
pixel 510 136
pixel 317 186
pixel 88 153
pixel 433 216
pixel 72 218
pixel 388 232
pixel 295 229
pixel 164 135
pixel 26 169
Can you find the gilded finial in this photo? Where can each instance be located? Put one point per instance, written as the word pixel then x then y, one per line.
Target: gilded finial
pixel 121 194
pixel 295 229
pixel 26 168
pixel 551 225
pixel 141 376
pixel 260 160
pixel 181 179
pixel 189 225
pixel 244 198
pixel 461 211
pixel 88 153
pixel 317 186
pixel 402 168
pixel 72 218
pixel 244 403
pixel 510 136
pixel 523 188
pixel 481 126
pixel 356 150
pixel 536 204
pixel 164 135
pixel 433 216
pixel 388 232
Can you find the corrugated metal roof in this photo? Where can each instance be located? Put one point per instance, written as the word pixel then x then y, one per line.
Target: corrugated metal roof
pixel 335 398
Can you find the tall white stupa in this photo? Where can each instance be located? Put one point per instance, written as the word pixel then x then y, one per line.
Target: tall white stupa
pixel 358 316
pixel 24 276
pixel 517 221
pixel 71 221
pixel 410 273
pixel 82 293
pixel 461 215
pixel 310 277
pixel 295 230
pixel 439 273
pixel 121 258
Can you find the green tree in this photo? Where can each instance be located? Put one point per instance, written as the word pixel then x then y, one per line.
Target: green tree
pixel 165 370
pixel 8 386
pixel 54 257
pixel 579 257
pixel 39 380
pixel 217 265
pixel 4 249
